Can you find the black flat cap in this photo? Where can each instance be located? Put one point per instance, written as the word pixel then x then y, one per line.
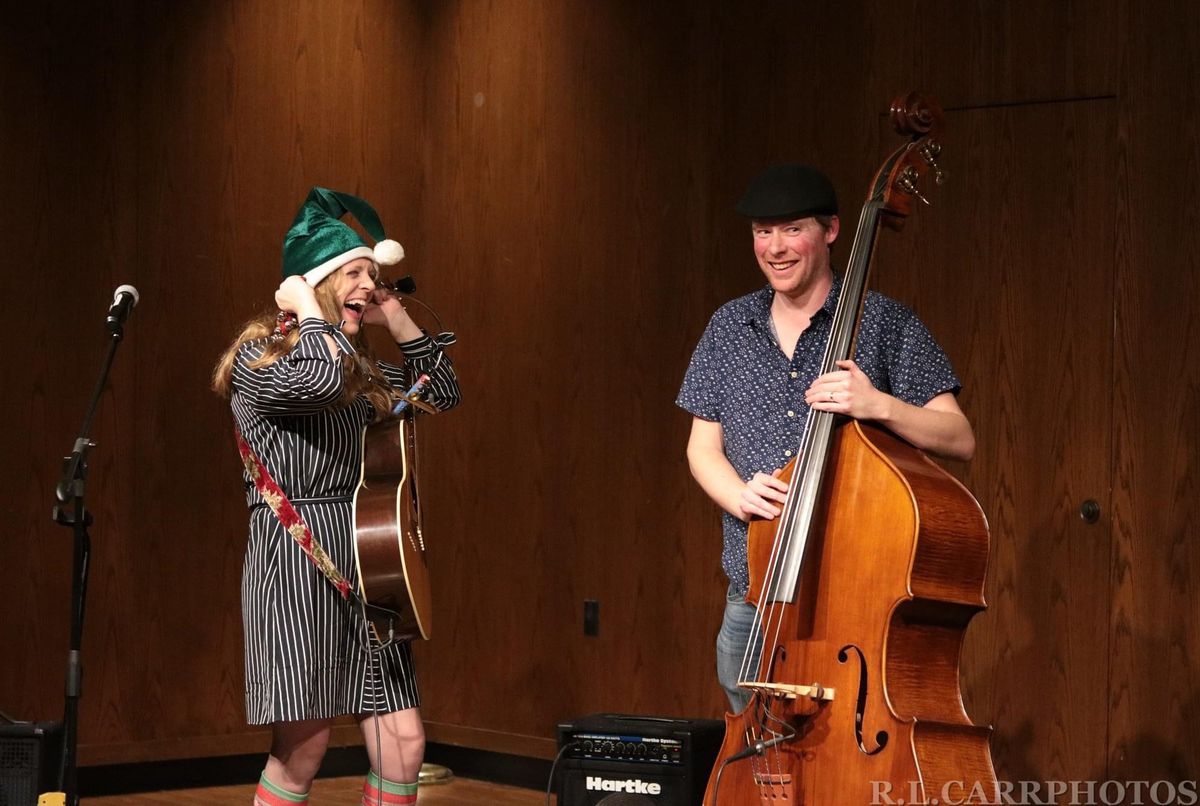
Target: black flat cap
pixel 789 191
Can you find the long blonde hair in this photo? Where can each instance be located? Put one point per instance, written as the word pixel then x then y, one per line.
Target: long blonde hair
pixel 361 372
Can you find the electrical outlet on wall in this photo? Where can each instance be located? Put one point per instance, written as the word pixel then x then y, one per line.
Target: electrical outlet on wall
pixel 591 617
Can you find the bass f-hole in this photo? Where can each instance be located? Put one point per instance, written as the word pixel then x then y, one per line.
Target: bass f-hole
pixel 860 708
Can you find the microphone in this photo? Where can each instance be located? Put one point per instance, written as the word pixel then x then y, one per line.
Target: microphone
pixel 758 748
pixel 124 298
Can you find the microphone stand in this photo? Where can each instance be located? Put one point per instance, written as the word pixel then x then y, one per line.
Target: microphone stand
pixel 71 511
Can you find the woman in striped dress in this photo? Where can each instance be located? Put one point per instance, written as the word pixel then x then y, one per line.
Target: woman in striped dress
pixel 300 400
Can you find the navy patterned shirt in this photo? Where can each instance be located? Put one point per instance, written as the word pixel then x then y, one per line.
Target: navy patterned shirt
pixel 740 378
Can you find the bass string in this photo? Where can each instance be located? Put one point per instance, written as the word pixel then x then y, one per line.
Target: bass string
pixel 818 426
pixel 816 423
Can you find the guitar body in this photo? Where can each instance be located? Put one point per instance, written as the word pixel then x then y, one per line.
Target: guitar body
pixel 389 548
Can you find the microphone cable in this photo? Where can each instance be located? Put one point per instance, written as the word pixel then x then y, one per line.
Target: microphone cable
pixel 756 749
pixel 374 678
pixel 550 782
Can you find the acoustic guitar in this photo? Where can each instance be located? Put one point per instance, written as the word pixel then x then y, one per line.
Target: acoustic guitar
pixel 389 547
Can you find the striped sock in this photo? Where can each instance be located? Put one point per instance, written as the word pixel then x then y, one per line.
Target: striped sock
pixel 382 792
pixel 269 794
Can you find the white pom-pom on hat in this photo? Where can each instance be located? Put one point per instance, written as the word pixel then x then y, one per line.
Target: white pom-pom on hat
pixel 388 252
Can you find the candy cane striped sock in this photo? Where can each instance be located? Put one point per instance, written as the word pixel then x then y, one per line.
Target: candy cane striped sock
pixel 382 792
pixel 269 794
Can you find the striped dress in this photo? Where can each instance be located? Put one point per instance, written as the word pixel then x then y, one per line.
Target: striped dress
pixel 305 655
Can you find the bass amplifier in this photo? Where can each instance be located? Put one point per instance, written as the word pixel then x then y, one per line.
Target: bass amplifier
pixel 29 753
pixel 622 760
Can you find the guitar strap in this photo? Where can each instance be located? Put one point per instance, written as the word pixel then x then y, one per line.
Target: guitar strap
pixel 292 522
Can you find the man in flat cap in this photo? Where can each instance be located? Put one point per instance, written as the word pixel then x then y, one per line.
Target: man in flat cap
pixel 756 373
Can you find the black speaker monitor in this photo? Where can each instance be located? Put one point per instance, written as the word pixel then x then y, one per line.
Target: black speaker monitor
pixel 624 760
pixel 29 753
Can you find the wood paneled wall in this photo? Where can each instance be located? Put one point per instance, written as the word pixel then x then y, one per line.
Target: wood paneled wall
pixel 561 175
pixel 1153 638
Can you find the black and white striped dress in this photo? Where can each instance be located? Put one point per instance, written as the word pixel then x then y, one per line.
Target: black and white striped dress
pixel 304 642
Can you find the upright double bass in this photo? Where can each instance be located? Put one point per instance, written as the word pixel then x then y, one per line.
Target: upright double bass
pixel 863 588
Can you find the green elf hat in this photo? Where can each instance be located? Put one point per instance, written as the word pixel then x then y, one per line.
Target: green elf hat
pixel 318 244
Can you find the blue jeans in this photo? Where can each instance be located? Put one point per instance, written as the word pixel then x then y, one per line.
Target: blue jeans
pixel 732 641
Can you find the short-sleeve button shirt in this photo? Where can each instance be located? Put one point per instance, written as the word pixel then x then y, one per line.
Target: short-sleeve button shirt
pixel 740 378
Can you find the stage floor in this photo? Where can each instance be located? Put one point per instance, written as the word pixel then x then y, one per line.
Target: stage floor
pixel 335 792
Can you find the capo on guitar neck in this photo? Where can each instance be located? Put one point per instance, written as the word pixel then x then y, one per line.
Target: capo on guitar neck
pixel 414 396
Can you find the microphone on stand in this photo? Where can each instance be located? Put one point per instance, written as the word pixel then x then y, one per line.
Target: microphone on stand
pixel 124 298
pixel 760 747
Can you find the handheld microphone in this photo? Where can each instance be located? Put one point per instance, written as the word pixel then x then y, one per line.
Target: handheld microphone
pixel 124 298
pixel 405 285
